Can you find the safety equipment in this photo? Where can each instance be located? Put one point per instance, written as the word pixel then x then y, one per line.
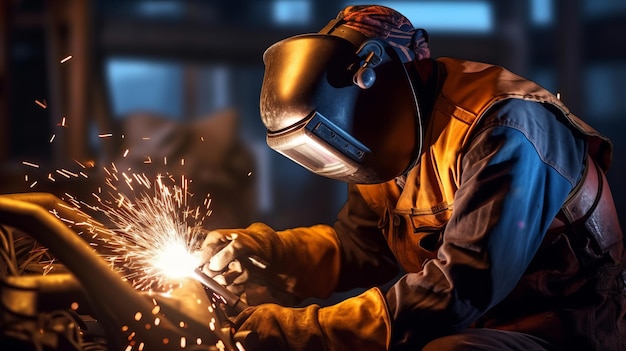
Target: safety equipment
pixel 298 263
pixel 357 323
pixel 341 105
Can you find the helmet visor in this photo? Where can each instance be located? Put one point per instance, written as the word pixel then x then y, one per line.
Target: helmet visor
pixel 321 147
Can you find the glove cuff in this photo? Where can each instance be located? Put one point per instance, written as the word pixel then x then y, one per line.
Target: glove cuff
pixel 312 257
pixel 358 323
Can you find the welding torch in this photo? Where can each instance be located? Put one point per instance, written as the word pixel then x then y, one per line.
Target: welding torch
pixel 231 299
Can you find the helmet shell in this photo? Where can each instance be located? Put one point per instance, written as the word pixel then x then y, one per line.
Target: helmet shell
pixel 313 75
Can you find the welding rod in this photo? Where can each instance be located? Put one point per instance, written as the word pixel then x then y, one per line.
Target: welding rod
pixel 232 300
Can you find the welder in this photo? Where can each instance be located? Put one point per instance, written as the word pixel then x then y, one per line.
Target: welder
pixel 478 214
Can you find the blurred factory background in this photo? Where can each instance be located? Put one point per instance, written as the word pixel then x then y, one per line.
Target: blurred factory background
pixel 173 86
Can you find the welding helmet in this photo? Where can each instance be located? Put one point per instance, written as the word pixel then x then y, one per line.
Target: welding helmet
pixel 341 103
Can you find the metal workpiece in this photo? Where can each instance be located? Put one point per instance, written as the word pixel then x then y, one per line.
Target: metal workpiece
pixel 183 317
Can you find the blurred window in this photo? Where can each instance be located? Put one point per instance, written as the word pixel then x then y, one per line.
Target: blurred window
pixel 141 85
pixel 604 8
pixel 160 9
pixel 291 12
pixel 541 12
pixel 212 88
pixel 445 16
pixel 170 88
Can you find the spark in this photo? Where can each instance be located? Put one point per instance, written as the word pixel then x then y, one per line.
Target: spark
pixel 42 104
pixel 47 266
pixel 61 172
pixel 257 262
pixel 239 346
pixel 66 59
pixel 155 233
pixel 68 172
pixel 175 260
pixel 152 232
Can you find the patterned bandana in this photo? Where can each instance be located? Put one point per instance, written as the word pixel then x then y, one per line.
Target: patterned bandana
pixel 385 23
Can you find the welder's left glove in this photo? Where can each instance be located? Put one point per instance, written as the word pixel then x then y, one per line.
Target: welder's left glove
pixel 357 323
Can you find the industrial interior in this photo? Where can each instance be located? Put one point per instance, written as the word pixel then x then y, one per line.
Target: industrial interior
pixel 94 90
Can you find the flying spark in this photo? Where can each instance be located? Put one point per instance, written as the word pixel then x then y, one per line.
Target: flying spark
pixel 154 235
pixel 152 230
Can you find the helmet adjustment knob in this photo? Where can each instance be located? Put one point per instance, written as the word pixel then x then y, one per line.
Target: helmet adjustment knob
pixel 364 78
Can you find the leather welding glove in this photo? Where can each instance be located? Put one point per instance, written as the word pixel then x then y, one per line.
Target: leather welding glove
pixel 303 262
pixel 357 323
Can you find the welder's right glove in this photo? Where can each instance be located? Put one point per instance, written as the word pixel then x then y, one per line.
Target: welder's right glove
pixel 303 262
pixel 358 323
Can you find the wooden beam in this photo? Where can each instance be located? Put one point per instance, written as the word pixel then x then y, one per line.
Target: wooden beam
pixel 70 87
pixel 187 42
pixel 4 78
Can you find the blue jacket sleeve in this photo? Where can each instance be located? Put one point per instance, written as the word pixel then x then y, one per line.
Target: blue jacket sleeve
pixel 517 171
